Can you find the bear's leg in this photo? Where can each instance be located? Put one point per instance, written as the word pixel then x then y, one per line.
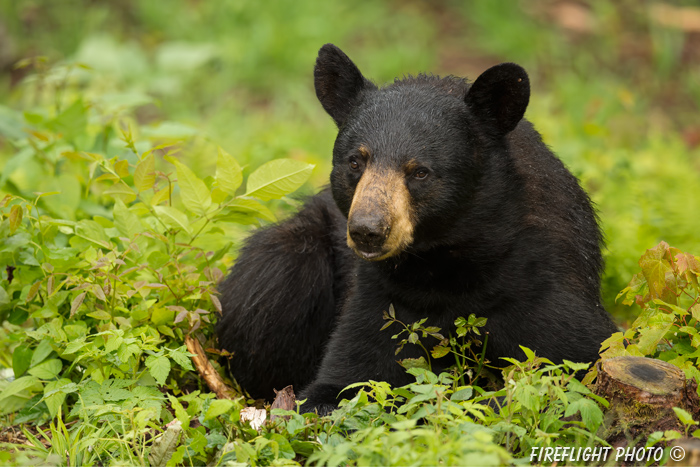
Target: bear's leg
pixel 282 296
pixel 359 350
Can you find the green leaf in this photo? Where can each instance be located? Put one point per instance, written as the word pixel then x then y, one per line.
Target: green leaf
pixel 480 322
pixel 658 271
pixel 180 412
pixel 93 232
pixel 440 351
pixel 650 336
pixel 198 443
pixel 637 286
pixel 72 121
pixel 684 417
pixel 159 367
pixel 100 314
pixel 177 457
pixel 576 366
pixel 529 354
pixel 173 218
pixel 21 359
pixel 508 427
pixel 54 401
pixel 194 193
pixel 528 397
pixel 48 369
pixel 246 207
pixel 113 343
pixel 285 449
pixel 162 316
pixel 113 390
pixel 145 173
pixel 121 191
pixel 15 217
pixel 277 178
pixel 4 297
pixel 229 175
pixel 126 221
pixel 218 407
pixel 576 386
pixel 419 362
pixel 591 414
pixel 673 308
pixel 161 196
pixel 19 385
pixel 181 358
pixel 462 394
pixel 42 351
pixel 74 346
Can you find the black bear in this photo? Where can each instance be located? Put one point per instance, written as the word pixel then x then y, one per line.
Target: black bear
pixel 444 202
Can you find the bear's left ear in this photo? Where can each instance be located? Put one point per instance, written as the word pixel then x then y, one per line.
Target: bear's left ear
pixel 338 82
pixel 499 97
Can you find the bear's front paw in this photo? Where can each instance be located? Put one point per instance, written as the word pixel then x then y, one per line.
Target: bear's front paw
pixel 322 398
pixel 321 409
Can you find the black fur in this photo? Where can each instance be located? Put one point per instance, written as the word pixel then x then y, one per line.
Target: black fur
pixel 281 298
pixel 502 230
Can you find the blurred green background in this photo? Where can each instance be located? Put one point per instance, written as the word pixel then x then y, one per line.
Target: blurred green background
pixel 616 84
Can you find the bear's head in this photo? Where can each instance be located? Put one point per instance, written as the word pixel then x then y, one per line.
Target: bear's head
pixel 409 156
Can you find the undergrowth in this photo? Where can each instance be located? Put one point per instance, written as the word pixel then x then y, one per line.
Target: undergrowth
pixel 111 248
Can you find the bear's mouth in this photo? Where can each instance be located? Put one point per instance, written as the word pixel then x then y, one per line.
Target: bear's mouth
pixel 374 255
pixel 368 255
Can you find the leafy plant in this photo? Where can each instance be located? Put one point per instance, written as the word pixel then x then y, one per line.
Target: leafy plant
pixel 667 328
pixel 466 347
pixel 117 219
pixel 110 250
pixel 414 331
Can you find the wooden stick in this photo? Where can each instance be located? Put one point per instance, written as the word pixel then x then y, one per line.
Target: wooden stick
pixel 207 371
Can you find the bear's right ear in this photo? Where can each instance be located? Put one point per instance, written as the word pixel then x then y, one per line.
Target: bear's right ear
pixel 499 97
pixel 338 82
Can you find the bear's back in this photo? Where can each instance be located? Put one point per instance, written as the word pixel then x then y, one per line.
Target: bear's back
pixel 556 205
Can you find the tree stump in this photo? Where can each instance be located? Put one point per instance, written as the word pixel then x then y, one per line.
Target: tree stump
pixel 642 393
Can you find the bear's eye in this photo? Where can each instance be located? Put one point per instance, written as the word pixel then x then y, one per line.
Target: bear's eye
pixel 354 165
pixel 420 174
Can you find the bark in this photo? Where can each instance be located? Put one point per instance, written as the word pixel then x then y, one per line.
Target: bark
pixel 284 399
pixel 642 393
pixel 207 370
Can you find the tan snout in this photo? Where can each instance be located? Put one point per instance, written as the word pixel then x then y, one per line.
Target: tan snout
pixel 380 222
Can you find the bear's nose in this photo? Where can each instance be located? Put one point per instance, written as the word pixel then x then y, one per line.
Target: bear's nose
pixel 369 232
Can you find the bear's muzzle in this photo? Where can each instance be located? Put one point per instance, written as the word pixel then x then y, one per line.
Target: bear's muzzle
pixel 380 222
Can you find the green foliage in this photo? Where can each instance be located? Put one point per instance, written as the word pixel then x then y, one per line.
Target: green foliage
pixel 668 294
pixel 119 215
pixel 437 421
pixel 414 333
pixel 110 252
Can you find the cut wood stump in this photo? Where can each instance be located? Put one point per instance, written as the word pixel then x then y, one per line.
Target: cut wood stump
pixel 690 455
pixel 642 393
